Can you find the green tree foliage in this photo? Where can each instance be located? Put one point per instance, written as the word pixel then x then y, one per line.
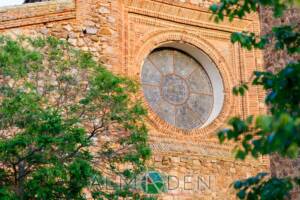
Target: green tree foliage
pixel 67 125
pixel 276 132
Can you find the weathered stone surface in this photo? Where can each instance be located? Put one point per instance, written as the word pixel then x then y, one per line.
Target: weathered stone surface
pixel 91 30
pixel 72 41
pixel 103 10
pixel 68 27
pixel 105 31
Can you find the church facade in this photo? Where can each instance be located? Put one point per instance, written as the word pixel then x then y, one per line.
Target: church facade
pixel 186 65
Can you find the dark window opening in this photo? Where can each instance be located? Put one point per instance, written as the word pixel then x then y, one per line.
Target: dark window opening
pixel 34 1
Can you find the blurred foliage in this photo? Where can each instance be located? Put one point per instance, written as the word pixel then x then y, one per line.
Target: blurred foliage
pixel 64 120
pixel 279 130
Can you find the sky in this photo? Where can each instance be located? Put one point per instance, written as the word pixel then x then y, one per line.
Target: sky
pixel 10 2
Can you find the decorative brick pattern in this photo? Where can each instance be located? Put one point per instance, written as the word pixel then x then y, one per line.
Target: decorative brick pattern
pixel 164 36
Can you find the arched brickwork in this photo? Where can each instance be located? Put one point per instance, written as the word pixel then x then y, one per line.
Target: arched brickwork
pixel 156 39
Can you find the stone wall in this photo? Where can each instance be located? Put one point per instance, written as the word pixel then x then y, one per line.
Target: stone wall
pixel 200 171
pixel 36 13
pixel 274 61
pixel 121 34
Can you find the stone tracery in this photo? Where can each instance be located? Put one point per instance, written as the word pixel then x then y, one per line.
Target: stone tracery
pixel 177 88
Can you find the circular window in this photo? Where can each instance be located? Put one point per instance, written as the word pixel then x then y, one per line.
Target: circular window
pixel 177 88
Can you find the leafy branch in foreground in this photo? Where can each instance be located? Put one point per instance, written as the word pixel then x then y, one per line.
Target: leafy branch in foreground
pixel 64 119
pixel 286 37
pixel 279 131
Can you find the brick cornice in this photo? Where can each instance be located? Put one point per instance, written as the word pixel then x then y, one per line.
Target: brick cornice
pixel 174 12
pixel 36 13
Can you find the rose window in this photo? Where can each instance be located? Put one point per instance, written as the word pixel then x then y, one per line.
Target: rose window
pixel 177 88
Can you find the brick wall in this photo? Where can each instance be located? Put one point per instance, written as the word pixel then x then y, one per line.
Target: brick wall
pixel 120 34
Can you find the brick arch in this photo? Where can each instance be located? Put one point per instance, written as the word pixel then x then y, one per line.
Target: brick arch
pixel 147 44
